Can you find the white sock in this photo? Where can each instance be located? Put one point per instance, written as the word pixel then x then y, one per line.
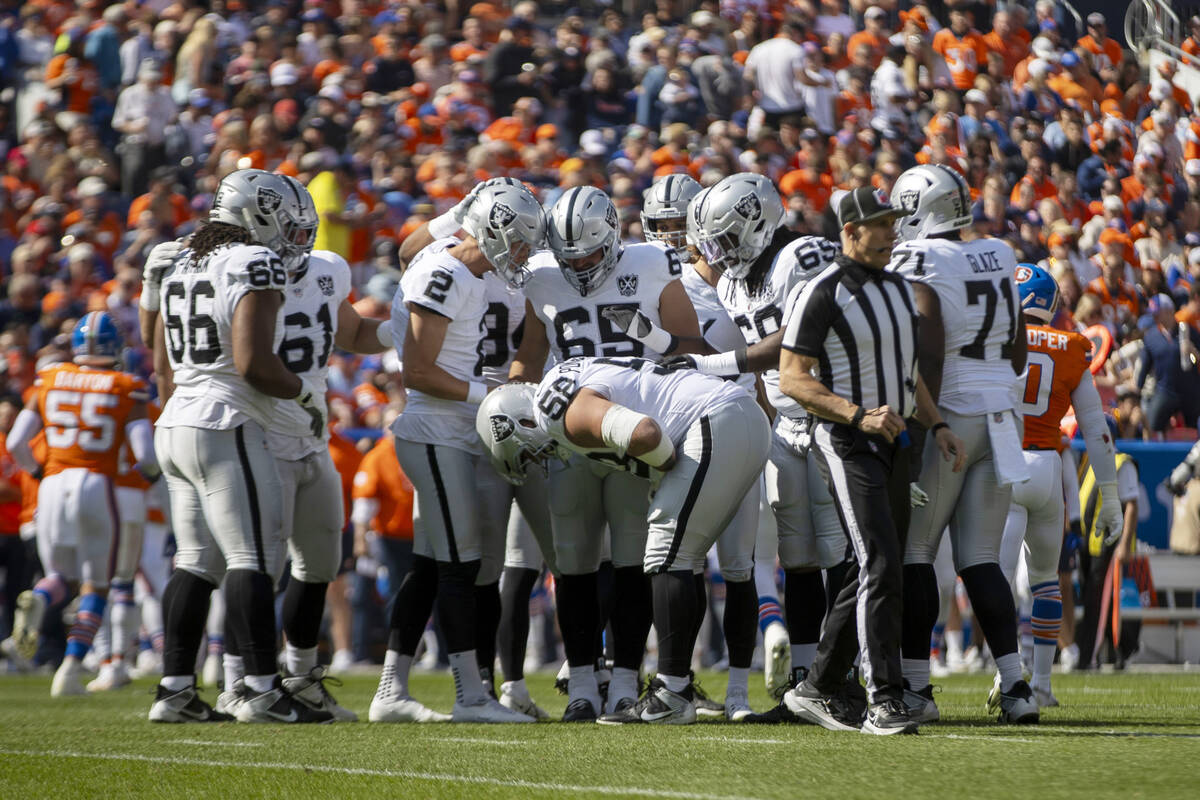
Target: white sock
pixel 1010 670
pixel 739 679
pixel 516 687
pixel 235 670
pixel 300 661
pixel 581 683
pixel 916 672
pixel 177 683
pixel 400 665
pixel 675 683
pixel 468 685
pixel 803 654
pixel 1043 658
pixel 261 683
pixel 623 684
pixel 954 645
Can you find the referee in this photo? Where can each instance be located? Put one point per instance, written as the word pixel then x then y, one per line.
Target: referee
pixel 850 357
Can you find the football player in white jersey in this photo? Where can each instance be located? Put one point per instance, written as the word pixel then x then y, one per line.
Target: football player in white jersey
pixel 972 349
pixel 664 220
pixel 700 442
pixel 439 318
pixel 586 271
pixel 735 226
pixel 217 340
pixel 520 509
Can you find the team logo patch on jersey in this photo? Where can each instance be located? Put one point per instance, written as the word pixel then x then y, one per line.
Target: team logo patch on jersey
pixel 502 427
pixel 268 199
pixel 909 200
pixel 627 285
pixel 749 206
pixel 325 283
pixel 501 216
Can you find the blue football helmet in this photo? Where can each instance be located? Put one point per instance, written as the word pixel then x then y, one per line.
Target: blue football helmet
pixel 96 336
pixel 1039 292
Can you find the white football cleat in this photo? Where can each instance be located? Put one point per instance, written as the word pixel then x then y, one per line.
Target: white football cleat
pixel 68 680
pixel 149 663
pixel 1045 697
pixel 113 675
pixel 230 700
pixel 1068 659
pixel 737 705
pixel 22 645
pixel 487 710
pixel 777 649
pixel 342 661
pixel 402 709
pixel 310 690
pixel 516 697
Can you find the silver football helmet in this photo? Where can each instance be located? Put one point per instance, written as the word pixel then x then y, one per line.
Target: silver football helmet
pixel 734 221
pixel 509 225
pixel 664 211
pixel 505 423
pixel 937 201
pixel 276 209
pixel 585 236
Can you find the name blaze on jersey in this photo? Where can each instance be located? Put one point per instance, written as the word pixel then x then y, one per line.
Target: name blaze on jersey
pixel 1057 361
pixel 759 315
pixel 979 305
pixel 575 325
pixel 199 297
pixel 310 319
pixel 84 411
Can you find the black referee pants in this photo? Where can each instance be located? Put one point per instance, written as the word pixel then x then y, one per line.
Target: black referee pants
pixel 868 479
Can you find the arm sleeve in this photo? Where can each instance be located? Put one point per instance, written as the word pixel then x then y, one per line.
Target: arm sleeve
pixel 1070 480
pixel 1090 415
pixel 26 426
pixel 364 510
pixel 141 442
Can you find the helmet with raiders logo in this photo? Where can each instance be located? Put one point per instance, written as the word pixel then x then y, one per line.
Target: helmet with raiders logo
pixel 505 423
pixel 937 201
pixel 583 227
pixel 665 202
pixel 733 222
pixel 1039 292
pixel 277 210
pixel 508 223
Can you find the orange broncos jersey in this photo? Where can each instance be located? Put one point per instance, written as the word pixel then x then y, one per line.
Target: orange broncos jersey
pixel 1057 360
pixel 380 478
pixel 84 413
pixel 127 476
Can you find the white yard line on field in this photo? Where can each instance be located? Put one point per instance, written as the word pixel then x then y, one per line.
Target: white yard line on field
pixel 215 744
pixel 735 740
pixel 997 738
pixel 433 777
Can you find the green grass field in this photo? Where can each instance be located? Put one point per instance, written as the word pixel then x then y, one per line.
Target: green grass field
pixel 1117 735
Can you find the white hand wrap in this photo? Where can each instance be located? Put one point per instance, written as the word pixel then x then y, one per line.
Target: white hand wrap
pixel 616 429
pixel 383 332
pixel 724 365
pixel 476 391
pixel 445 225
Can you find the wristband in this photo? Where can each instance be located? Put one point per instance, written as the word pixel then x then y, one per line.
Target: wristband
pixel 443 226
pixel 476 391
pixel 658 340
pixel 857 418
pixel 725 365
pixel 938 426
pixel 383 332
pixel 149 300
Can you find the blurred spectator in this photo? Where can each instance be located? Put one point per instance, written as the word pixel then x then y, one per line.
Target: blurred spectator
pixel 143 112
pixel 1171 355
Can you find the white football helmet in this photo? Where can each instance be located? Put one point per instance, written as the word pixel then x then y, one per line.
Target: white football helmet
pixel 734 221
pixel 937 201
pixel 583 222
pixel 276 209
pixel 665 201
pixel 505 423
pixel 509 225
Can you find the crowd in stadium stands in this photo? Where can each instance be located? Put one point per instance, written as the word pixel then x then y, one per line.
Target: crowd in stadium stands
pixel 117 120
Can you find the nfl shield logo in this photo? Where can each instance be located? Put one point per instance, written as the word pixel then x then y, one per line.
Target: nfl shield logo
pixel 749 206
pixel 325 282
pixel 627 285
pixel 268 200
pixel 908 200
pixel 502 427
pixel 501 216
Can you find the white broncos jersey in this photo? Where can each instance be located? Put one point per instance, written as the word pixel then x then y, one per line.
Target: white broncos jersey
pixel 310 318
pixel 439 282
pixel 715 324
pixel 980 304
pixel 760 315
pixel 575 325
pixel 197 301
pixel 673 399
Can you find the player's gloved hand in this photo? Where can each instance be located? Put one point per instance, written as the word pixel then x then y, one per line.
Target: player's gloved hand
pixel 1112 520
pixel 312 404
pixel 1179 479
pixel 149 474
pixel 675 363
pixel 917 497
pixel 637 326
pixel 463 207
pixel 160 259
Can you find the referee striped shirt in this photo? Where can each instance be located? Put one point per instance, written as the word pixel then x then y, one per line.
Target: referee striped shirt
pixel 860 324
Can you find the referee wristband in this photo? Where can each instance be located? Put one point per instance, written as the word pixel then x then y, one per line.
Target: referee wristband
pixel 857 419
pixel 937 427
pixel 476 391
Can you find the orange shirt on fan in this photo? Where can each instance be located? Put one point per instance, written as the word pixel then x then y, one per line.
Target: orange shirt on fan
pixel 84 412
pixel 964 55
pixel 29 484
pixel 10 513
pixel 1105 52
pixel 1012 51
pixel 380 478
pixel 1057 361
